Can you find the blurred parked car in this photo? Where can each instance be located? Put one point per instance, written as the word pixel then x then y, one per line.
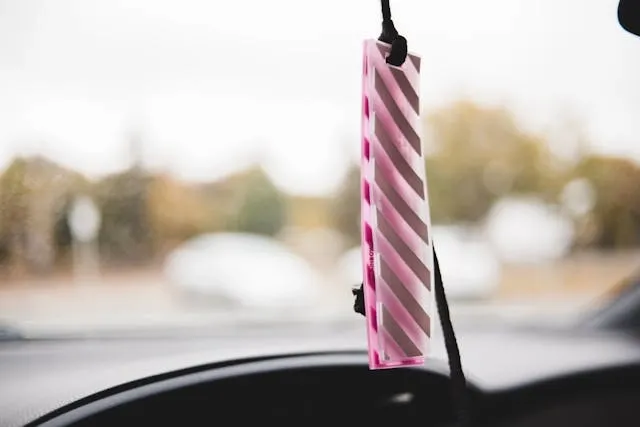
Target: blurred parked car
pixel 469 268
pixel 242 270
pixel 528 230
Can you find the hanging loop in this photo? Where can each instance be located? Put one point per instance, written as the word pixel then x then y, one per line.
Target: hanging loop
pixel 398 53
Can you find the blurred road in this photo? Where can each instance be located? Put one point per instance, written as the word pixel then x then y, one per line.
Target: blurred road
pixel 148 303
pixel 143 299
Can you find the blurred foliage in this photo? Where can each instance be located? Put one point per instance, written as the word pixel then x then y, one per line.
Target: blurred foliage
pixel 260 207
pixel 32 194
pixel 479 155
pixel 308 213
pixel 13 211
pixel 614 220
pixel 142 215
pixel 345 207
pixel 476 156
pixel 125 233
pixel 178 212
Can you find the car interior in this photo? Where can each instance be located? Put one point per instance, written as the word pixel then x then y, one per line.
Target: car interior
pixel 320 387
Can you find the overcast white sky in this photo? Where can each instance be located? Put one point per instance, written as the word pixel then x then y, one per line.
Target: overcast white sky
pixel 214 84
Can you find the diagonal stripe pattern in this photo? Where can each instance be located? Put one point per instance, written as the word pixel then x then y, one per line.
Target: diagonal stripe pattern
pixel 397 256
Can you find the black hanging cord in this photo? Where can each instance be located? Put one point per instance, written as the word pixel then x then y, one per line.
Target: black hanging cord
pixel 458 380
pixel 389 32
pixel 398 53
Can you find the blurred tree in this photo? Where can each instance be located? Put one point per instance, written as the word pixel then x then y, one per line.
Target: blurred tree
pixel 308 213
pixel 125 233
pixel 261 208
pixel 477 155
pixel 178 211
pixel 62 230
pixel 13 212
pixel 614 220
pixel 345 207
pixel 32 194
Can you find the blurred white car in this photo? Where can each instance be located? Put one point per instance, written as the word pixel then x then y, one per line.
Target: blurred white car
pixel 469 268
pixel 527 230
pixel 245 270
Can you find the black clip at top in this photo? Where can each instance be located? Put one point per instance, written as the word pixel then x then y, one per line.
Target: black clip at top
pixel 398 53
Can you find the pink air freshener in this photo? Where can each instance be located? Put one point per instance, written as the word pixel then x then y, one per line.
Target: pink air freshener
pixel 396 241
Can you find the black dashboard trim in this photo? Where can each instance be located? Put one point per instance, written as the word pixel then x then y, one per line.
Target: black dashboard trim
pixel 508 403
pixel 131 391
pixel 532 396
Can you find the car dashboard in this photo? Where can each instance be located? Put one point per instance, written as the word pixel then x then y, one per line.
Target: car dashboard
pixel 334 387
pixel 296 389
pixel 300 378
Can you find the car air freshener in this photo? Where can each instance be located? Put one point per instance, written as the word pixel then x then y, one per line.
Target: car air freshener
pixel 397 253
pixel 399 259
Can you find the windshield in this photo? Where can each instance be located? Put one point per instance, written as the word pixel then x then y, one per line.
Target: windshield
pixel 197 163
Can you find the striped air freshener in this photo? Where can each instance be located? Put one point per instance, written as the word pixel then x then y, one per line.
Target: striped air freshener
pixel 397 254
pixel 402 276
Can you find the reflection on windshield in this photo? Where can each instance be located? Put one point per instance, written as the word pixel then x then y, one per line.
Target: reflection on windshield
pixel 152 184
